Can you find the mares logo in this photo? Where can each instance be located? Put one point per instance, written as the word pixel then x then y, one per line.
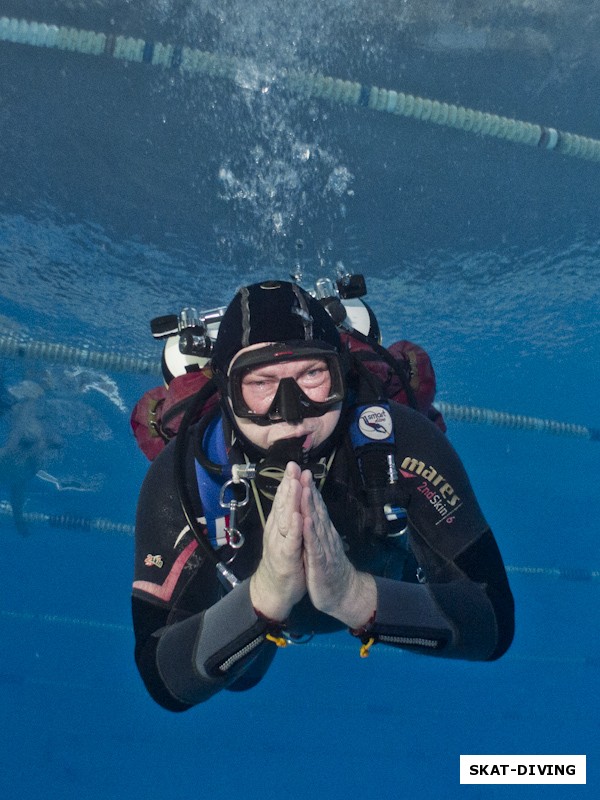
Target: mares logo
pixel 435 488
pixel 375 423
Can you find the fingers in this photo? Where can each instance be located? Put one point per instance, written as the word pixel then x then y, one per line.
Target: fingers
pixel 285 518
pixel 279 581
pixel 322 542
pixel 327 570
pixel 313 508
pixel 330 578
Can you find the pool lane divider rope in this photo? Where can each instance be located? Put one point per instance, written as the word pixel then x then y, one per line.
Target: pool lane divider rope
pixel 12 347
pixel 503 419
pixel 72 523
pixel 192 61
pixel 320 643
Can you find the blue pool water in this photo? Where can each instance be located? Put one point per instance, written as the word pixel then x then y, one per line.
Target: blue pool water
pixel 129 190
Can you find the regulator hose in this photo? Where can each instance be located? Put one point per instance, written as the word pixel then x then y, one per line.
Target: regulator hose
pixel 228 579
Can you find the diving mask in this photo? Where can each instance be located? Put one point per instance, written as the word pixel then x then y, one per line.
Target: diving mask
pixel 291 403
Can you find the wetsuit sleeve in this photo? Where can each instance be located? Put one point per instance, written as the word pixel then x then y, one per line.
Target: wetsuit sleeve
pixel 191 641
pixel 463 606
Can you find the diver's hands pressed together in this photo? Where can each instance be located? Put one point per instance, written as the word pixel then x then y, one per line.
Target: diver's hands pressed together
pixel 302 551
pixel 334 585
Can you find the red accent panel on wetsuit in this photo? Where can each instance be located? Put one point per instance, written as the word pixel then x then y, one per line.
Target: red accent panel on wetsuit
pixel 164 591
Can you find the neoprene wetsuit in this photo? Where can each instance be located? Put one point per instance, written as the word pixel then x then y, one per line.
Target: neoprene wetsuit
pixel 193 639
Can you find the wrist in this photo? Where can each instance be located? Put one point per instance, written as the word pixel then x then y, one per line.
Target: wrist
pixel 364 630
pixel 266 604
pixel 358 607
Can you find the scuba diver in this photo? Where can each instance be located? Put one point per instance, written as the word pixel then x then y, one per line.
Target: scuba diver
pixel 31 442
pixel 304 502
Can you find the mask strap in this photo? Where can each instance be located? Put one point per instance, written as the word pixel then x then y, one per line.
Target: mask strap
pixel 303 313
pixel 245 309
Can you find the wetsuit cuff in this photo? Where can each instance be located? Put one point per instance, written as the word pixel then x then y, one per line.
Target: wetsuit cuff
pixel 211 650
pixel 365 629
pixel 231 634
pixel 407 616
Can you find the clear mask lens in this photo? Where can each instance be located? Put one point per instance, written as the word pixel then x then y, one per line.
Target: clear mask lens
pixel 291 403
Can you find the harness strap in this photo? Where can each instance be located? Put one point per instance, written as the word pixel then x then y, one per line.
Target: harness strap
pixel 209 486
pixel 373 441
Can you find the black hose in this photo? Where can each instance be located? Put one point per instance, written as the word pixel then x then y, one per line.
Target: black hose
pixel 181 441
pixel 219 470
pixel 396 365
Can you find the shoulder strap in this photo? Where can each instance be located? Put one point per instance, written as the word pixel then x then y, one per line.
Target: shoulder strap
pixel 209 485
pixel 373 441
pixel 378 352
